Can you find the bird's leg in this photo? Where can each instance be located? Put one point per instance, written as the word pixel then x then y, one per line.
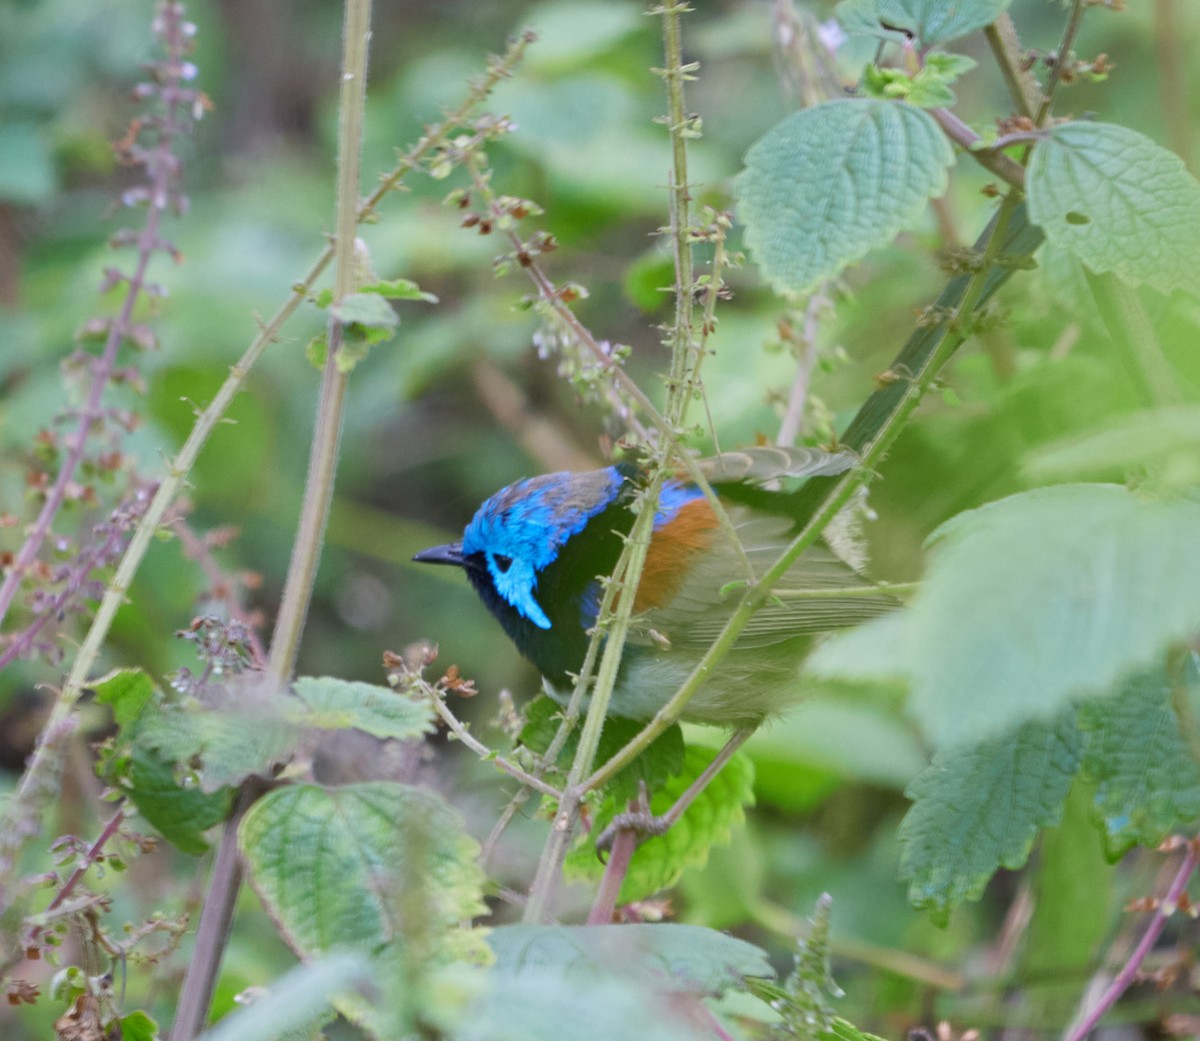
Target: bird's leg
pixel 646 825
pixel 623 844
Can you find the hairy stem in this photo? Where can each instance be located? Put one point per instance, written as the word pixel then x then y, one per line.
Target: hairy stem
pixel 163 171
pixel 873 431
pixel 1001 36
pixel 1165 909
pixel 216 917
pixel 20 820
pixel 1132 332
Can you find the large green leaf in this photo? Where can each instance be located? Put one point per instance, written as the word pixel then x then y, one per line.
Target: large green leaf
pixel 335 704
pixel 180 813
pixel 687 958
pixel 979 807
pixel 659 861
pixel 1045 597
pixel 827 184
pixel 595 983
pixel 928 21
pixel 296 1004
pixel 1032 602
pixel 538 1006
pixel 361 867
pixel 229 745
pixel 1119 203
pixel 1166 437
pixel 1147 777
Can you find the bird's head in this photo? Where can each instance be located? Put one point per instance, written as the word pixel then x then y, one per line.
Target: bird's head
pixel 533 550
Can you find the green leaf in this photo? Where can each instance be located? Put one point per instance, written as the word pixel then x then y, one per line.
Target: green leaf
pixel 1160 437
pixel 138 1026
pixel 362 867
pixel 1147 778
pixel 831 182
pixel 534 1005
pixel 928 21
pixel 659 861
pixel 1045 598
pixel 127 692
pixel 979 807
pixel 929 87
pixel 296 1003
pixel 1119 203
pixel 180 814
pixel 654 767
pixel 229 745
pixel 844 1030
pixel 681 958
pixel 335 704
pixel 399 289
pixel 368 310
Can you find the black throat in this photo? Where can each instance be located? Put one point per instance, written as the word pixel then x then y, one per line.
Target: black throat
pixel 566 590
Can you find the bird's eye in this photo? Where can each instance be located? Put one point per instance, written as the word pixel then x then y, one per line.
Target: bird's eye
pixel 502 562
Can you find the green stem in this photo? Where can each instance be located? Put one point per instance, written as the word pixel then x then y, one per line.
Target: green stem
pixel 628 571
pixel 216 917
pixel 1001 36
pixel 875 448
pixel 23 809
pixel 1132 332
pixel 1064 55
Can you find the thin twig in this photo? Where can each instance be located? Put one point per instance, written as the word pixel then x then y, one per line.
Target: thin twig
pixel 1001 36
pixel 1167 906
pixel 22 814
pixel 217 914
pixel 480 749
pixel 159 195
pixel 990 158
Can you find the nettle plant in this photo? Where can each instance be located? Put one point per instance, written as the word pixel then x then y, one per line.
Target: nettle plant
pixel 1046 649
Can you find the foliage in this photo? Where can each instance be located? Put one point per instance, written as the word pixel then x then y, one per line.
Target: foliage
pixel 1042 646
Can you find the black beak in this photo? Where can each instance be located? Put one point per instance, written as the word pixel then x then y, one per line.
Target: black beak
pixel 451 553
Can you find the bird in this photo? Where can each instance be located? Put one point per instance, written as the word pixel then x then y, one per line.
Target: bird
pixel 537 553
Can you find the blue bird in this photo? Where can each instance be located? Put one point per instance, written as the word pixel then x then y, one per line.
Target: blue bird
pixel 536 552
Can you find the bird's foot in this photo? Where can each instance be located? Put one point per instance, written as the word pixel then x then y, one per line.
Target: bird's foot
pixel 645 825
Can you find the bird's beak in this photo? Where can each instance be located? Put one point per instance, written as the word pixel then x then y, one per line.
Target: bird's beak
pixel 450 553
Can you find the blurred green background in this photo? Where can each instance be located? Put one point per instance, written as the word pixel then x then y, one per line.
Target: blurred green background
pixel 461 403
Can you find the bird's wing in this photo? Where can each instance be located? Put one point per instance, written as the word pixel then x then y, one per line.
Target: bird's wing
pixel 763 463
pixel 819 593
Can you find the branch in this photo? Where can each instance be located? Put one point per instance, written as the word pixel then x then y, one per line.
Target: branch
pixel 1165 908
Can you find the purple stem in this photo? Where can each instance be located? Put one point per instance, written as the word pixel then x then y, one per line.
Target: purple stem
pixel 162 168
pixel 1166 907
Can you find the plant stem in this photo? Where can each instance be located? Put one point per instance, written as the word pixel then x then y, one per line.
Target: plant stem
pixel 212 931
pixel 883 430
pixel 990 158
pixel 159 197
pixel 22 813
pixel 1166 907
pixel 1064 55
pixel 216 917
pixel 1132 333
pixel 1169 44
pixel 629 568
pixel 1001 36
pixel 482 750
